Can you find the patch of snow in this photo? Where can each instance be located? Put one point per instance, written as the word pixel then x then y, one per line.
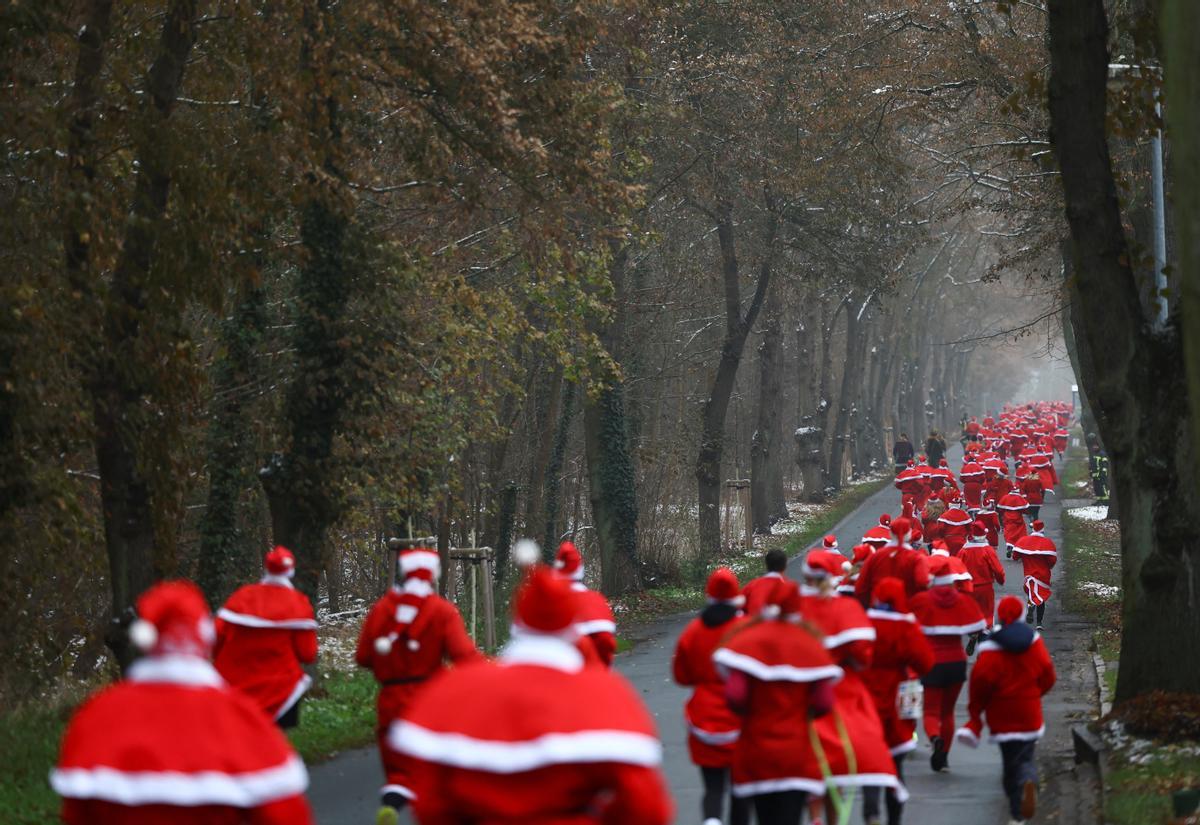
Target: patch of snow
pixel 802 431
pixel 1106 591
pixel 1096 512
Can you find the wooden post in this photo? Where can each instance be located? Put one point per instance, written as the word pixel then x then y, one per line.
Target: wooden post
pixel 395 545
pixel 477 556
pixel 738 488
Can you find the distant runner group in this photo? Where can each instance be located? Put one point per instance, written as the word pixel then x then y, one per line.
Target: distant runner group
pixel 804 694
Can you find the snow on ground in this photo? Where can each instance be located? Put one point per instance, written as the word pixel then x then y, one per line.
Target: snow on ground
pixel 339 634
pixel 1095 512
pixel 1106 591
pixel 1144 751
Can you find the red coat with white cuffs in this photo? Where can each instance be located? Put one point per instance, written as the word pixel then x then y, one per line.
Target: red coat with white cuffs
pixel 850 638
pixel 1012 509
pixel 436 636
pixel 265 632
pixel 596 622
pixel 172 744
pixel 784 664
pixel 900 649
pixel 946 615
pixel 954 528
pixel 535 737
pixel 1038 556
pixel 713 728
pixel 756 592
pixel 1011 674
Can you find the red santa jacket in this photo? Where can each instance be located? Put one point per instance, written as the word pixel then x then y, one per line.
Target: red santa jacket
pixel 954 526
pixel 982 563
pixel 596 622
pixel 991 523
pixel 1033 489
pixel 435 636
pixel 1038 556
pixel 1010 676
pixel 535 737
pixel 904 563
pixel 785 663
pixel 901 649
pixel 849 636
pixel 946 615
pixel 265 632
pixel 1012 508
pixel 173 745
pixel 756 592
pixel 713 727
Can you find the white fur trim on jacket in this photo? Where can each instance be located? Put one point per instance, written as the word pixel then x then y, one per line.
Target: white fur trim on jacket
pixel 891 616
pixel 302 686
pixel 953 629
pixel 852 634
pixel 789 783
pixel 595 626
pixel 506 757
pixel 246 620
pixel 774 673
pixel 709 737
pixel 1018 736
pixel 175 670
pixel 238 790
pixel 529 648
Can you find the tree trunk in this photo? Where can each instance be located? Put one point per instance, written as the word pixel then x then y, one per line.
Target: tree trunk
pixel 554 469
pixel 1181 33
pixel 118 382
pixel 1137 375
pixel 611 488
pixel 851 384
pixel 766 446
pixel 224 548
pixel 550 393
pixel 737 328
pixel 808 435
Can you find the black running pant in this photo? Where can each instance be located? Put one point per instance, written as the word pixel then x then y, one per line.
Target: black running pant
pixel 712 804
pixel 783 808
pixel 895 808
pixel 1020 767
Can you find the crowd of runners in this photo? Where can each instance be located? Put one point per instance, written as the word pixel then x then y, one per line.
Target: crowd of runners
pixel 806 695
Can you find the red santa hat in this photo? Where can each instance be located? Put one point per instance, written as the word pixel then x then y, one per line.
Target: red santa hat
pixel 723 588
pixel 420 567
pixel 830 543
pixel 823 564
pixel 1010 609
pixel 173 618
pixel 877 535
pixel 280 562
pixel 420 563
pixel 568 562
pixel 783 601
pixel 940 548
pixel 1038 526
pixel 890 593
pixel 545 603
pixel 885 520
pixel 943 463
pixel 901 530
pixel 978 530
pixel 862 552
pixel 940 571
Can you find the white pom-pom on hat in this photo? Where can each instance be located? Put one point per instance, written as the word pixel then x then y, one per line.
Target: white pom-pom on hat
pixel 383 645
pixel 526 553
pixel 414 645
pixel 143 634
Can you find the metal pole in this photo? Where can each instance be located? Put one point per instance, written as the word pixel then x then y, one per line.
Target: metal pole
pixel 1160 222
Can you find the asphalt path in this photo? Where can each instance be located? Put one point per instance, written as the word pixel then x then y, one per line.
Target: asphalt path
pixel 344 790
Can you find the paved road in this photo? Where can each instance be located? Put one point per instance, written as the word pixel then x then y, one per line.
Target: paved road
pixel 344 790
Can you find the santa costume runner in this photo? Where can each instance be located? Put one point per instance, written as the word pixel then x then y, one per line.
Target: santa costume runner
pixel 172 744
pixel 265 632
